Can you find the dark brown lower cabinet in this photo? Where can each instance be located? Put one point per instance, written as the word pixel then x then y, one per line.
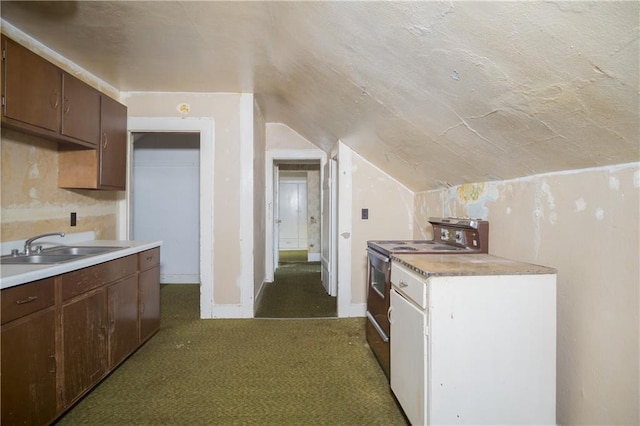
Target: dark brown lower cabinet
pixel 84 337
pixel 149 292
pixel 56 349
pixel 149 302
pixel 123 319
pixel 29 369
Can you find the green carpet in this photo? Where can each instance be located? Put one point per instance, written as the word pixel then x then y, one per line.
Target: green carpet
pixel 296 292
pixel 243 372
pixel 292 256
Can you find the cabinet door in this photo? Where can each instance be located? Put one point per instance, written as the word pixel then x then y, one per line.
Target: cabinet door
pixel 113 145
pixel 123 319
pixel 31 88
pixel 149 284
pixel 84 344
pixel 29 369
pixel 80 111
pixel 409 358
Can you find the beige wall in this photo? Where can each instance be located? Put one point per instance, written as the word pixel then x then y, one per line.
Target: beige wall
pixel 313 210
pixel 33 204
pixel 585 224
pixel 390 207
pixel 281 136
pixel 225 110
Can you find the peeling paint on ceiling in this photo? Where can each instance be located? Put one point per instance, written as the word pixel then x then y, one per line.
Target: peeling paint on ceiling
pixel 434 93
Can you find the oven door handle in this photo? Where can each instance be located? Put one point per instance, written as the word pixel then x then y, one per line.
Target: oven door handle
pixel 379 261
pixel 379 329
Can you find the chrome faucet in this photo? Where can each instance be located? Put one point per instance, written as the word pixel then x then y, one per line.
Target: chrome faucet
pixel 27 244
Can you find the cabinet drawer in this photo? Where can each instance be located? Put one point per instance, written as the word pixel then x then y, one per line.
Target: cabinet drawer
pixel 409 283
pixel 26 298
pixel 149 258
pixel 83 280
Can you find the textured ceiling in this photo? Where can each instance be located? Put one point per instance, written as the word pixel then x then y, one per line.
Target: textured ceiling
pixel 434 93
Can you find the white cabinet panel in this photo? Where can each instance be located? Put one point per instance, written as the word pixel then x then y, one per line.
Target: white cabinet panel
pixel 409 358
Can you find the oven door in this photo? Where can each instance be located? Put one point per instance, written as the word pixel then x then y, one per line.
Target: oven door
pixel 378 292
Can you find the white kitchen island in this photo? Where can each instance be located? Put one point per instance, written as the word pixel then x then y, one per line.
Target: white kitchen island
pixel 474 340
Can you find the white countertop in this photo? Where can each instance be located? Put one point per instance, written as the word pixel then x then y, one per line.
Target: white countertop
pixel 12 275
pixel 468 264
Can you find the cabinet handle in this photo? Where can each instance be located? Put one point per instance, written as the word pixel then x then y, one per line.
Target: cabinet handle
pixel 67 106
pixel 54 100
pixel 389 314
pixel 403 284
pixel 105 141
pixel 149 257
pixel 53 364
pixel 27 300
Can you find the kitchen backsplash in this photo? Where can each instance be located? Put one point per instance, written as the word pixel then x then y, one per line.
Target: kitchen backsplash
pixel 31 201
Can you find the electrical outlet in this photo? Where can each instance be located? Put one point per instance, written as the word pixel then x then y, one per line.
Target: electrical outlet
pixel 73 219
pixel 365 214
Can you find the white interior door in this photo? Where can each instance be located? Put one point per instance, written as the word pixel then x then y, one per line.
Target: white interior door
pixel 276 221
pixel 333 228
pixel 292 214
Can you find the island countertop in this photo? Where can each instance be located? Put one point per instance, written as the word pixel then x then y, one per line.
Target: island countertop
pixel 468 264
pixel 13 275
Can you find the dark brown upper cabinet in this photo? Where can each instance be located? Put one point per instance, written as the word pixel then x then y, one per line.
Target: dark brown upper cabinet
pixel 40 98
pixel 104 167
pixel 31 91
pixel 80 111
pixel 113 145
pixel 90 127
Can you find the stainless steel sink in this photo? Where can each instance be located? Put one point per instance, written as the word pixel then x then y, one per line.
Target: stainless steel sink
pixel 35 259
pixel 79 250
pixel 58 254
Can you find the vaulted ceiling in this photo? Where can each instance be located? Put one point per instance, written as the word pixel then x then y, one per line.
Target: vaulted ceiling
pixel 434 93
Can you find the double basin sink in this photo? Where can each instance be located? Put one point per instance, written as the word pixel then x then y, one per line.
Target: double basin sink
pixel 53 255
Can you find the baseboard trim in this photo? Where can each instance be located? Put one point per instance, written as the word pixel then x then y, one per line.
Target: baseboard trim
pixel 229 311
pixel 353 310
pixel 179 278
pixel 313 257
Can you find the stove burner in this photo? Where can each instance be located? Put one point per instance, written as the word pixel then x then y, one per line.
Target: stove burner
pixel 394 242
pixel 404 248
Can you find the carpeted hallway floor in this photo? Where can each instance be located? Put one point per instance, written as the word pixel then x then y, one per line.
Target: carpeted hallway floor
pixel 243 372
pixel 296 292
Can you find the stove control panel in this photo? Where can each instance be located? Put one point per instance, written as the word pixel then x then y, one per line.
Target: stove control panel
pixel 459 237
pixel 465 233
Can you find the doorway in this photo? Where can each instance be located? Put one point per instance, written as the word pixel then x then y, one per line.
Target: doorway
pixel 275 161
pixel 298 211
pixel 297 290
pixel 204 127
pixel 166 193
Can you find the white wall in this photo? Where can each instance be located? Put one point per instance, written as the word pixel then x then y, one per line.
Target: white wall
pixel 585 223
pixel 259 212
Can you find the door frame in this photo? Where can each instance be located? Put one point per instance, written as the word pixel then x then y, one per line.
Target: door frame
pixel 272 157
pixel 206 129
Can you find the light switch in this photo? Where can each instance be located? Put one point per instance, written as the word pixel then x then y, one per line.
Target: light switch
pixel 365 214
